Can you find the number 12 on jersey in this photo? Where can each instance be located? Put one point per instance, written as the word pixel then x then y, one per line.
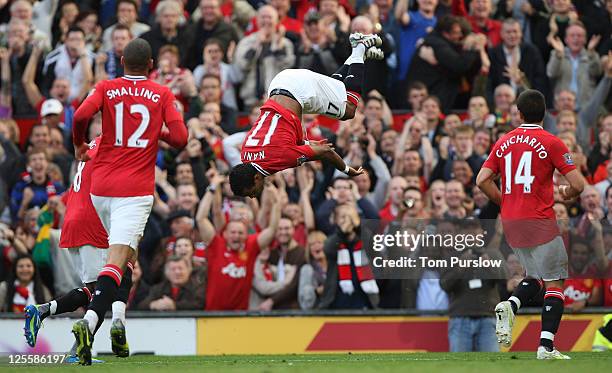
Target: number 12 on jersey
pixel 521 176
pixel 134 141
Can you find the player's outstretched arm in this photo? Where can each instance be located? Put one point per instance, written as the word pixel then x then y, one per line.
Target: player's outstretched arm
pixel 576 185
pixel 486 183
pixel 325 152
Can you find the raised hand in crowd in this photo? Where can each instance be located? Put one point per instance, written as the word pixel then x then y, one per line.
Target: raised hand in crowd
pixel 185 83
pixel 606 62
pixel 344 20
pixel 231 49
pixel 557 45
pixel 5 71
pixel 56 205
pixel 28 196
pixel 593 42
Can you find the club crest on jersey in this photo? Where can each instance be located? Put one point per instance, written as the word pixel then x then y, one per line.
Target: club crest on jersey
pixel 568 159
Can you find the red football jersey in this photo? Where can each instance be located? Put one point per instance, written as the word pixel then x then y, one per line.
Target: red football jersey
pixel 576 290
pixel 82 226
pixel 230 274
pixel 133 112
pixel 526 158
pixel 276 142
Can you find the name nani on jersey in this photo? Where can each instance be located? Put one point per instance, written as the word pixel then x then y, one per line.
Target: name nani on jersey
pixel 254 156
pixel 525 139
pixel 133 91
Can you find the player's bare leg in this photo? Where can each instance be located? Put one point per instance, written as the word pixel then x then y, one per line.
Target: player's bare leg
pixel 106 290
pixel 552 311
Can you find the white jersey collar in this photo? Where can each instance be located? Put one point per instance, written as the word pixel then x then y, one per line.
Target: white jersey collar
pixel 527 126
pixel 134 77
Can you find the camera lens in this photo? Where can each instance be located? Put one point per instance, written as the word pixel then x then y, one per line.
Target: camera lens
pixel 409 203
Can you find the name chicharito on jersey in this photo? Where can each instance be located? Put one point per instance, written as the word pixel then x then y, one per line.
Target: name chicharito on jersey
pixel 525 139
pixel 133 91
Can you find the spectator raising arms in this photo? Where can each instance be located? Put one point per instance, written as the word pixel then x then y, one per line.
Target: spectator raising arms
pixel 231 252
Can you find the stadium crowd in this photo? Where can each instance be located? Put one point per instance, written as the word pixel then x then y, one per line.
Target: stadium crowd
pixel 430 113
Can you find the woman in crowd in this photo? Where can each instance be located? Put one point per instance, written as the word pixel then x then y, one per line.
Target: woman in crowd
pixel 23 287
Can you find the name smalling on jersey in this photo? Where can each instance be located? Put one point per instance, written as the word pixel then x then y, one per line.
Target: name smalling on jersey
pixel 525 139
pixel 133 91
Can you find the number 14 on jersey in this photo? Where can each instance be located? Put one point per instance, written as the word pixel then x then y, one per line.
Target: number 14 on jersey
pixel 522 175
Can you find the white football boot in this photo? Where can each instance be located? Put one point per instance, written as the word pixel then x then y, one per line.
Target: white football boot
pixel 544 354
pixel 374 53
pixel 504 324
pixel 368 41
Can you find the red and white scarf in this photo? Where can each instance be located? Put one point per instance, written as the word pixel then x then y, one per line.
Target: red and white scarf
pixel 362 267
pixel 23 297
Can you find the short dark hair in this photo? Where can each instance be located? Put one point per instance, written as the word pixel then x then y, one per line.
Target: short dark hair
pixel 168 48
pixel 34 151
pixel 242 177
pixel 211 76
pixel 337 178
pixel 120 27
pixel 174 258
pixel 447 22
pixel 373 98
pixel 137 54
pixel 435 99
pixel 417 85
pixel 132 2
pixel 75 29
pixel 532 105
pixel 214 41
pixel 82 15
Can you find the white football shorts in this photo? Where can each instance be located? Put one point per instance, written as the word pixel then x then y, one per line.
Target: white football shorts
pixel 89 261
pixel 124 218
pixel 547 262
pixel 317 93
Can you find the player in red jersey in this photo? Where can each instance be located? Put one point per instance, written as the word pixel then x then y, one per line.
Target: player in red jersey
pixel 526 158
pixel 134 110
pixel 85 237
pixel 278 142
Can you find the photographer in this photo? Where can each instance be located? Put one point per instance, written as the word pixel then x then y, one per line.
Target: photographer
pixel 473 294
pixel 412 206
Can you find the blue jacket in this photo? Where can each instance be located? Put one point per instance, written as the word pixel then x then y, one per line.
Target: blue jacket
pixel 40 195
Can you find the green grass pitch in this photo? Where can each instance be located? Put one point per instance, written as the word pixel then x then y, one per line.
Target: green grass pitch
pixel 583 362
